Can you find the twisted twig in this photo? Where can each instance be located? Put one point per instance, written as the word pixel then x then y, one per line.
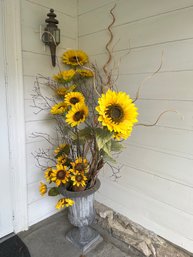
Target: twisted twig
pixel 107 47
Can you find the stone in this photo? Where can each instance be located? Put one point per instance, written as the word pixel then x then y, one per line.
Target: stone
pixel 144 241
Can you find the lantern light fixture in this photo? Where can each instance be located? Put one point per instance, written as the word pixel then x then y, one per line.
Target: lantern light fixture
pixel 51 35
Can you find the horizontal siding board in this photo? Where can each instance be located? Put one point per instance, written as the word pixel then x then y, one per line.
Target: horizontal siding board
pixel 162 164
pixel 126 11
pixel 64 6
pixel 34 172
pixel 155 187
pixel 138 60
pixel 41 209
pixel 144 33
pixel 66 23
pixel 87 5
pixel 174 140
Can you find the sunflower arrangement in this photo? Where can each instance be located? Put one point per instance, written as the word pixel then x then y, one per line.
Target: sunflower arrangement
pixel 92 121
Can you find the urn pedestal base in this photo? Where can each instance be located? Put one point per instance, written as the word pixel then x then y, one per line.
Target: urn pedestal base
pixel 85 238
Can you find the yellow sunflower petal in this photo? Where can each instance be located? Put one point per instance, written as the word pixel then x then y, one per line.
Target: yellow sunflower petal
pixel 59 108
pixel 75 57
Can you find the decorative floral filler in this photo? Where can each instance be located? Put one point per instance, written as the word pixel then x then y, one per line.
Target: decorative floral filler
pixel 65 76
pixel 43 188
pixel 64 202
pixel 85 73
pixel 59 108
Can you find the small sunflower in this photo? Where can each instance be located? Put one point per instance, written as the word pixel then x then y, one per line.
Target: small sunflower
pixel 59 108
pixel 85 73
pixel 61 160
pixel 60 175
pixel 80 165
pixel 59 148
pixel 78 179
pixel 73 98
pixel 77 114
pixel 119 136
pixel 42 188
pixel 117 112
pixel 75 57
pixel 64 202
pixel 48 174
pixel 65 76
pixel 61 91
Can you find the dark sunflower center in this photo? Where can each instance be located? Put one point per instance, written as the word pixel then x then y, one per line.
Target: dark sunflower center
pixel 78 115
pixel 49 173
pixel 79 178
pixel 79 166
pixel 74 100
pixel 115 112
pixel 61 174
pixel 74 59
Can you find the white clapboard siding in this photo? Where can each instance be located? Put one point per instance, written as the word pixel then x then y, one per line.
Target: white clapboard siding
pixel 135 61
pixel 31 42
pixel 66 7
pixel 167 221
pixel 66 23
pixel 158 163
pixel 145 32
pixel 37 60
pixel 126 11
pixel 42 209
pixel 158 188
pixel 156 184
pixel 34 172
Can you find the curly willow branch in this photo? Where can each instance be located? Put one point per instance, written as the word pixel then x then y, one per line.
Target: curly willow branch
pixel 147 78
pixel 159 117
pixel 107 46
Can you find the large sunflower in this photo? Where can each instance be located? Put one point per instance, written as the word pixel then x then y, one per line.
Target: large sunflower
pixel 75 57
pixel 78 179
pixel 80 165
pixel 77 114
pixel 64 202
pixel 65 76
pixel 60 175
pixel 117 112
pixel 59 108
pixel 73 98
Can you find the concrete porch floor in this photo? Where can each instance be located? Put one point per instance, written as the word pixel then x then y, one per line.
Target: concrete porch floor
pixel 47 239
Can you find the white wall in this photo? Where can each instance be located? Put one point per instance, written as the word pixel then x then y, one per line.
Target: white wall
pixel 156 184
pixel 38 61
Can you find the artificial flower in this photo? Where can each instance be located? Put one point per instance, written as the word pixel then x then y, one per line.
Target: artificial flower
pixel 59 108
pixel 85 73
pixel 48 174
pixel 77 114
pixel 64 202
pixel 78 179
pixel 42 188
pixel 75 57
pixel 65 76
pixel 80 165
pixel 117 112
pixel 60 175
pixel 73 98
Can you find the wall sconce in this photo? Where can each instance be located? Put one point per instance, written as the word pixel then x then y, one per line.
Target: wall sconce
pixel 51 35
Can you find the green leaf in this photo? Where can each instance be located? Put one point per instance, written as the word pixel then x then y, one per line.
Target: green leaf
pixel 54 191
pixel 102 137
pixel 107 148
pixel 107 158
pixel 85 133
pixel 116 146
